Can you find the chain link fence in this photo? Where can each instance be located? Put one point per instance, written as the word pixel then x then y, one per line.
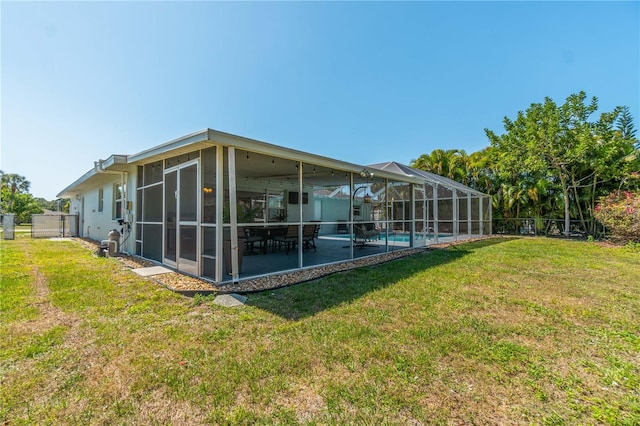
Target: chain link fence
pixel 51 226
pixel 548 227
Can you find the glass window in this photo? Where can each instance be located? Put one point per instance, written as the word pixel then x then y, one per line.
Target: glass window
pixel 277 209
pixel 117 200
pixel 100 200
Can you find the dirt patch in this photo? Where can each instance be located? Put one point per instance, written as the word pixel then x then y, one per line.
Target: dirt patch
pixel 50 316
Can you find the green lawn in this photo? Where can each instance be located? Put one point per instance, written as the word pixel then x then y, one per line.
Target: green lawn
pixel 502 331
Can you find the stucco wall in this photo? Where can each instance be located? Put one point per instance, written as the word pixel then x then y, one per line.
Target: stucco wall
pixel 96 224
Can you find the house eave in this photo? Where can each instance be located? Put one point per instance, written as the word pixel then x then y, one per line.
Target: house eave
pixel 113 164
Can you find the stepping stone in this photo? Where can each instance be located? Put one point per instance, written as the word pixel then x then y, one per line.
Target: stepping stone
pixel 151 270
pixel 231 299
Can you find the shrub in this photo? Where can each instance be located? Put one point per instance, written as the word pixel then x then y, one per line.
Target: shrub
pixel 619 212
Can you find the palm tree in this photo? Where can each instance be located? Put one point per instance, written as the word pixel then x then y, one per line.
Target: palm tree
pixel 449 163
pixel 12 185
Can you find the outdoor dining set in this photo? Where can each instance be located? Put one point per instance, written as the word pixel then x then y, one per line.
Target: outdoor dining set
pixel 259 239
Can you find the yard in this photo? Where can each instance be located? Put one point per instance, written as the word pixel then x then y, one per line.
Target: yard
pixel 501 331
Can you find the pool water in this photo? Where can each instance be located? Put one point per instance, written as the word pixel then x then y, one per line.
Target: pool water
pixel 399 238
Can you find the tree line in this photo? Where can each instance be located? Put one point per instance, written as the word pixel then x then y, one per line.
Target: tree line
pixel 552 161
pixel 16 199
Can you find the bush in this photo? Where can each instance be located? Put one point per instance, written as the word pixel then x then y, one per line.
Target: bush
pixel 619 212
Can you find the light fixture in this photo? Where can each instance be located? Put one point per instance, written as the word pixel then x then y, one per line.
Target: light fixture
pixel 366 174
pixel 331 172
pixel 273 160
pixel 314 169
pixel 367 198
pixel 247 155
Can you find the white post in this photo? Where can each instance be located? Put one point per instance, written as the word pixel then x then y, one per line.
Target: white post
pixel 469 223
pixel 435 213
pixel 455 218
pixel 481 216
pixel 219 213
pixel 300 210
pixel 233 214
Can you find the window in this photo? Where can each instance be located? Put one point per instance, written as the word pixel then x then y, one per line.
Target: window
pixel 117 201
pixel 100 200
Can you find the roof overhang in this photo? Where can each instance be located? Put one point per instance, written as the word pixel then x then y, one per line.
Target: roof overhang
pixel 208 138
pixel 115 164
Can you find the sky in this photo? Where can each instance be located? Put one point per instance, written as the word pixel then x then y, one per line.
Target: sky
pixel 363 82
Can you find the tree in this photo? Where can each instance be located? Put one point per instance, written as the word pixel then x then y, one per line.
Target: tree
pixel 12 185
pixel 449 163
pixel 16 198
pixel 625 125
pixel 556 140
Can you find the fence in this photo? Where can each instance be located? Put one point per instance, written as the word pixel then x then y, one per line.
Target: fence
pixel 548 227
pixel 49 226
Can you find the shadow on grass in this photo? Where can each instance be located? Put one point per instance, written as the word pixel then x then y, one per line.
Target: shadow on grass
pixel 307 299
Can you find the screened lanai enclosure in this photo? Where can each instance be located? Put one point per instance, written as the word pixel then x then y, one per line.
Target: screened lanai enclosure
pixel 227 208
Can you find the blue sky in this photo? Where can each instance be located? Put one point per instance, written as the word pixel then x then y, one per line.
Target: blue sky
pixel 364 82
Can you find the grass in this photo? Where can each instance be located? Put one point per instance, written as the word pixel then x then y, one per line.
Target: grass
pixel 501 331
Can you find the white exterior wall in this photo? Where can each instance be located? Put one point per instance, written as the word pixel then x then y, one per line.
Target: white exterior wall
pixel 96 224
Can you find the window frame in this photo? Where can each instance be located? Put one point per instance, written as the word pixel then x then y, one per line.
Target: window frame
pixel 118 200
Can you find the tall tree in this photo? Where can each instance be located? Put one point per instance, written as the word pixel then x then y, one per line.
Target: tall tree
pixel 15 197
pixel 625 125
pixel 550 138
pixel 12 186
pixel 449 163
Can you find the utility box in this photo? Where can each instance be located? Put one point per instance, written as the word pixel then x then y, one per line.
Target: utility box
pixel 112 244
pixel 8 227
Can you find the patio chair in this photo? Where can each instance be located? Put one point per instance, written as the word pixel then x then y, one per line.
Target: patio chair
pixel 249 240
pixel 290 239
pixel 363 234
pixel 308 236
pixel 372 231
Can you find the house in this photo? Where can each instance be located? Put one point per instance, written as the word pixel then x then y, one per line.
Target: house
pixel 224 207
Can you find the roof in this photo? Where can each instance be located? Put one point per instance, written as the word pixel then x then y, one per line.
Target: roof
pixel 203 139
pixel 428 177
